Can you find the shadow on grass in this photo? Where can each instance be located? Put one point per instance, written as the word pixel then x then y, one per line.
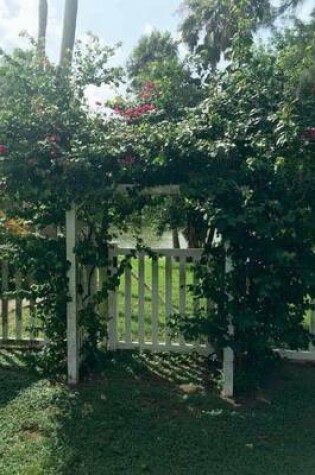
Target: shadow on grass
pixel 154 414
pixel 138 417
pixel 14 375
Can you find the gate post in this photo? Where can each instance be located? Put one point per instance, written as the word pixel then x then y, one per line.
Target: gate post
pixel 312 328
pixel 112 301
pixel 228 353
pixel 72 305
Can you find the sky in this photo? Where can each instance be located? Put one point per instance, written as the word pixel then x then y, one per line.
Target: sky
pixel 112 20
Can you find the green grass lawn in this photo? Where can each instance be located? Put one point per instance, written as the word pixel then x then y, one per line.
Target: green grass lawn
pixel 154 415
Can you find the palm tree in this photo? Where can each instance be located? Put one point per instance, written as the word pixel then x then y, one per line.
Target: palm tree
pixel 209 26
pixel 42 26
pixel 69 27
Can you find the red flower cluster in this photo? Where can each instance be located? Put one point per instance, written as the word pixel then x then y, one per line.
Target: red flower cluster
pixel 3 149
pixel 54 153
pixel 53 139
pixel 146 91
pixel 309 134
pixel 127 161
pixel 132 113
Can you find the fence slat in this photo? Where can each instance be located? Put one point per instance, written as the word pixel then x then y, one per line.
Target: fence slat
pixel 196 301
pixel 168 297
pixel 32 319
pixel 155 302
pixel 141 299
pixel 128 304
pixel 5 304
pixel 182 293
pixel 18 307
pixel 312 328
pixel 112 304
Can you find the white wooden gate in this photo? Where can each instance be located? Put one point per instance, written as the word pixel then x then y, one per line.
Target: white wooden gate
pixel 151 290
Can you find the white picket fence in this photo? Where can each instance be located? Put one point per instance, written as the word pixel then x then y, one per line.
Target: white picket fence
pixel 152 290
pixel 18 321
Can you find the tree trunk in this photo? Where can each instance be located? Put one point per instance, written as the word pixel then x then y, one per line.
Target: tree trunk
pixel 69 27
pixel 42 27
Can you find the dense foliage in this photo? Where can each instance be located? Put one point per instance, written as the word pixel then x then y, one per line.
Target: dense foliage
pixel 243 158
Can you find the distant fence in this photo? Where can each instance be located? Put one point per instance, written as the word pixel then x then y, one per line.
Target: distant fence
pixel 18 320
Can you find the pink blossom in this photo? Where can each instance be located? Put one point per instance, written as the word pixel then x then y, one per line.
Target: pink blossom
pixel 145 95
pixel 3 149
pixel 54 153
pixel 148 86
pixel 309 133
pixel 127 161
pixel 53 139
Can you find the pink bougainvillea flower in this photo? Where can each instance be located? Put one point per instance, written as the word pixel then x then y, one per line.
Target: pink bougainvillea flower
pixel 146 91
pixel 3 149
pixel 127 161
pixel 145 95
pixel 53 139
pixel 309 133
pixel 117 110
pixel 148 86
pixel 54 153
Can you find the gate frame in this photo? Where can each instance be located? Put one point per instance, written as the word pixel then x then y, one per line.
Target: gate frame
pixel 73 344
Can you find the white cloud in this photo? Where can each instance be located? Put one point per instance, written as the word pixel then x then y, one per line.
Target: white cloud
pixel 95 95
pixel 148 29
pixel 305 9
pixel 22 15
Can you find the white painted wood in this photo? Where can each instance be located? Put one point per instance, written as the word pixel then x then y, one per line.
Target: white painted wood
pixel 297 355
pixel 72 310
pixel 164 190
pixel 141 299
pixel 155 302
pixel 128 304
pixel 32 314
pixel 4 301
pixel 18 307
pixel 112 302
pixel 182 293
pixel 102 282
pixel 168 298
pixel 228 353
pixel 228 372
pixel 156 345
pixel 312 328
pixel 162 347
pixel 196 305
pixel 32 318
pixel 194 253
